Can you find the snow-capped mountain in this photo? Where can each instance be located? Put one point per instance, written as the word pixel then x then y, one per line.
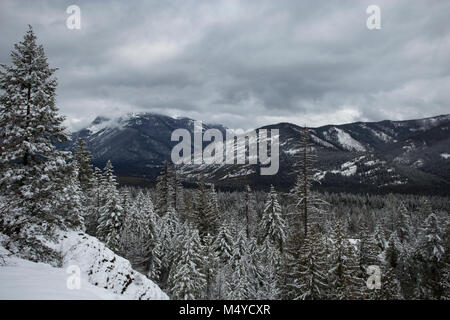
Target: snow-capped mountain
pixel 402 156
pixel 137 144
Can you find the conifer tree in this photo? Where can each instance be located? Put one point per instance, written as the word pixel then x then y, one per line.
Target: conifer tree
pixel 176 192
pixel 213 215
pixel 379 236
pixel 187 282
pixel 139 234
pixel 446 263
pixel 188 213
pixel 310 277
pixel 393 251
pixel 97 201
pixel 168 244
pixel 30 165
pixel 368 249
pixel 272 223
pixel 209 265
pixel 71 196
pixel 307 203
pixel 404 225
pixel 111 219
pixel 202 210
pixel 162 190
pixel 239 285
pixel 265 269
pixel 85 170
pixel 249 210
pixel 430 255
pixel 224 244
pixel 344 283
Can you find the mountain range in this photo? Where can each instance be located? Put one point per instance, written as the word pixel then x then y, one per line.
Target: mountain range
pixel 411 156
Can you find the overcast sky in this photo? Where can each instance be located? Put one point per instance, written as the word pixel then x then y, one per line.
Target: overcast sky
pixel 242 63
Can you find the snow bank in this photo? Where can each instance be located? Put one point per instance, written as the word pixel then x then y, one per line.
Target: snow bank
pixel 106 269
pixel 26 280
pixel 104 275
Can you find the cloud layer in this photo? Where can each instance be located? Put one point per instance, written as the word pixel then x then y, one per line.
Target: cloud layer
pixel 242 63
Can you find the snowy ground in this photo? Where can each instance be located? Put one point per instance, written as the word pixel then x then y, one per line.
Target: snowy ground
pixel 24 280
pixel 102 273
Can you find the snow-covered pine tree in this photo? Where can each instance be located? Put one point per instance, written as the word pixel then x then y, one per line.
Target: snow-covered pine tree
pixel 344 282
pixel 241 246
pixel 204 224
pixel 239 285
pixel 249 210
pixel 379 235
pixel 168 244
pixel 404 228
pixel 169 191
pixel 308 209
pixel 213 214
pixel 368 249
pixel 71 198
pixel 224 244
pixel 186 280
pixel 111 218
pixel 97 200
pixel 209 265
pixel 430 256
pixel 150 253
pixel 310 275
pixel 30 164
pixel 308 205
pixel 176 192
pixel 139 235
pixel 162 190
pixel 393 251
pixel 287 271
pixel 446 263
pixel 272 224
pixel 407 270
pixel 188 209
pixel 266 261
pixel 85 170
pixel 130 233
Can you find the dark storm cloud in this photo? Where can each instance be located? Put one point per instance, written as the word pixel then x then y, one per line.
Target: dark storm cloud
pixel 242 63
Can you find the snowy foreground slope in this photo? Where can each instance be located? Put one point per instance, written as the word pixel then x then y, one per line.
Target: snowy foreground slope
pixel 104 275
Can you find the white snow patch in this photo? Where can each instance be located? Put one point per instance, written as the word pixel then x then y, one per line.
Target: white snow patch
pixel 292 151
pixel 347 142
pixel 379 134
pixel 25 280
pixel 419 163
pixel 351 170
pixel 104 275
pixel 322 142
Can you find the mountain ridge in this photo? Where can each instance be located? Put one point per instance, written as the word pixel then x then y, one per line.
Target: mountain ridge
pixel 400 156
